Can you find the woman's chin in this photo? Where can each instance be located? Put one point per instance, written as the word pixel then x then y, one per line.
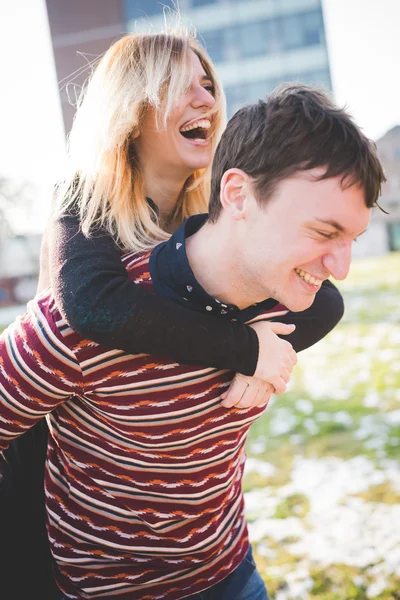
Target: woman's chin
pixel 200 162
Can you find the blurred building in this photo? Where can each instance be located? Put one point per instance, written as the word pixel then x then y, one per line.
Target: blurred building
pixel 81 30
pixel 19 268
pixel 255 44
pixel 383 233
pixel 389 153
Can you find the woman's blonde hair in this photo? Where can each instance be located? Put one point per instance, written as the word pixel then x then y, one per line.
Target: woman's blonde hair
pixel 105 183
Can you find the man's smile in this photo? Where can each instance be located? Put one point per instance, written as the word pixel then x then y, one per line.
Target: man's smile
pixel 308 278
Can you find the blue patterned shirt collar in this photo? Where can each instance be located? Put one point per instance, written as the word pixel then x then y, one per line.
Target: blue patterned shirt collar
pixel 173 277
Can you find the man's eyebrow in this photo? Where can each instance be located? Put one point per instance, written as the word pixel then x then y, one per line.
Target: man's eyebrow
pixel 332 223
pixel 336 225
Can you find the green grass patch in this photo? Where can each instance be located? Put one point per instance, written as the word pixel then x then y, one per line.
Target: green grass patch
pixel 383 492
pixel 296 505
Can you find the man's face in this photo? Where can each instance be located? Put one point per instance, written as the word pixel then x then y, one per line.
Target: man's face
pixel 303 235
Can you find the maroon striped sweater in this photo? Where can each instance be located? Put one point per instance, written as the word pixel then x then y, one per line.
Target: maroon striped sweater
pixel 144 468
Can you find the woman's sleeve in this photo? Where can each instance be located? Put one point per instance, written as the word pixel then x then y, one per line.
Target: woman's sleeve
pixel 98 300
pixel 317 321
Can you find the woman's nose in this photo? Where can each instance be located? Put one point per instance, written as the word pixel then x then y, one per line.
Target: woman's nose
pixel 202 97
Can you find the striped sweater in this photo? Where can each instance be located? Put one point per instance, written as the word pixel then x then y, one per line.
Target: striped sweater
pixel 144 466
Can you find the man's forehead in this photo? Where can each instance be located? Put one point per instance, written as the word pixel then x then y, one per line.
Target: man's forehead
pixel 312 175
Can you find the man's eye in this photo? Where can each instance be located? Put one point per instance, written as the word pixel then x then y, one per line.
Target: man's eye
pixel 328 236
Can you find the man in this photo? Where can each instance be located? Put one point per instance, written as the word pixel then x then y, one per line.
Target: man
pixel 144 468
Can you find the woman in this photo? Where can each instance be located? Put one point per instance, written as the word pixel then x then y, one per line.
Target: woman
pixel 130 142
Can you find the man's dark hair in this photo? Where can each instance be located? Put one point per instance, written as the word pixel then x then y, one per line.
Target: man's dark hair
pixel 296 129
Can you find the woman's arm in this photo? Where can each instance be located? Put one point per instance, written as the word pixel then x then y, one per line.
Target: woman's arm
pixel 98 300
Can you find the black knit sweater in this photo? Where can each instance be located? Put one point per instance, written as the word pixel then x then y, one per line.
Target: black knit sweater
pixel 98 300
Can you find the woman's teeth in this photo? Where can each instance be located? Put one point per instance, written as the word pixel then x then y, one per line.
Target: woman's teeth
pixel 200 124
pixel 308 278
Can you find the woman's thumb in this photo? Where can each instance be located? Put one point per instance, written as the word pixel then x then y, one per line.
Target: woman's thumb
pixel 282 328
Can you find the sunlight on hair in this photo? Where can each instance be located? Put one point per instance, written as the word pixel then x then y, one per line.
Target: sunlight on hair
pixel 105 183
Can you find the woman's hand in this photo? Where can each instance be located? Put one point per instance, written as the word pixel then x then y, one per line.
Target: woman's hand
pixel 276 357
pixel 275 364
pixel 245 392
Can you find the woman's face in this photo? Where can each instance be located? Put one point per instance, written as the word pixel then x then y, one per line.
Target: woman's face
pixel 184 145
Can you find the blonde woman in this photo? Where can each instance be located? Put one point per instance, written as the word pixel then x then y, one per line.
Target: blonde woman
pixel 140 154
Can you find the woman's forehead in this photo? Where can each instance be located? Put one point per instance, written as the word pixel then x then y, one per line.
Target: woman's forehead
pixel 197 64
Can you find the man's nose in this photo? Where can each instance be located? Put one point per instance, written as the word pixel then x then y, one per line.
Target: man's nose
pixel 338 261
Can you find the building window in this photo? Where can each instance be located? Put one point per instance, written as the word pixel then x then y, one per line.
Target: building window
pixel 292 33
pixel 316 78
pixel 268 36
pixel 240 94
pixel 243 93
pixel 306 29
pixel 139 9
pixel 214 43
pixel 313 25
pixel 394 236
pixel 251 39
pixel 203 2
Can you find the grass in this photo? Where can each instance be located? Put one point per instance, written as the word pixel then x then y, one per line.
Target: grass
pixel 322 519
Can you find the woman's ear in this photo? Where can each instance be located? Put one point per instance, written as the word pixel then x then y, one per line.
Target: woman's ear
pixel 135 133
pixel 235 187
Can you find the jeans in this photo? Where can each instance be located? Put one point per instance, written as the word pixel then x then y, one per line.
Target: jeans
pixel 232 588
pixel 254 589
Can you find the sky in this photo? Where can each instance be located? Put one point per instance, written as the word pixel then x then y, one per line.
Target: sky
pixel 363 44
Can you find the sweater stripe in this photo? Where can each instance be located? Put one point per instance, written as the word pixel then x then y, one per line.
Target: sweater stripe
pixel 144 467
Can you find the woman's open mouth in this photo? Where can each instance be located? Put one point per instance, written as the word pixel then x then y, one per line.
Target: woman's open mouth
pixel 196 131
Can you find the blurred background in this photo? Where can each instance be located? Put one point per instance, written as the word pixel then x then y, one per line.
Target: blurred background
pixel 323 482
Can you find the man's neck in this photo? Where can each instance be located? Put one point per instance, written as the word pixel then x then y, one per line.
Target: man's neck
pixel 212 259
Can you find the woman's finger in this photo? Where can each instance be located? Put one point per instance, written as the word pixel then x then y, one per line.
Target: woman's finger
pixel 267 395
pixel 279 385
pixel 253 394
pixel 235 392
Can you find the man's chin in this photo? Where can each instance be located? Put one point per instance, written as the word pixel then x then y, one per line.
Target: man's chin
pixel 299 304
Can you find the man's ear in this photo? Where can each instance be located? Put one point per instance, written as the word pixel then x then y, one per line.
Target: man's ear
pixel 235 188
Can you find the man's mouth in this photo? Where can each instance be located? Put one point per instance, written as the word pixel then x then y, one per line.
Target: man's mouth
pixel 196 130
pixel 309 278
